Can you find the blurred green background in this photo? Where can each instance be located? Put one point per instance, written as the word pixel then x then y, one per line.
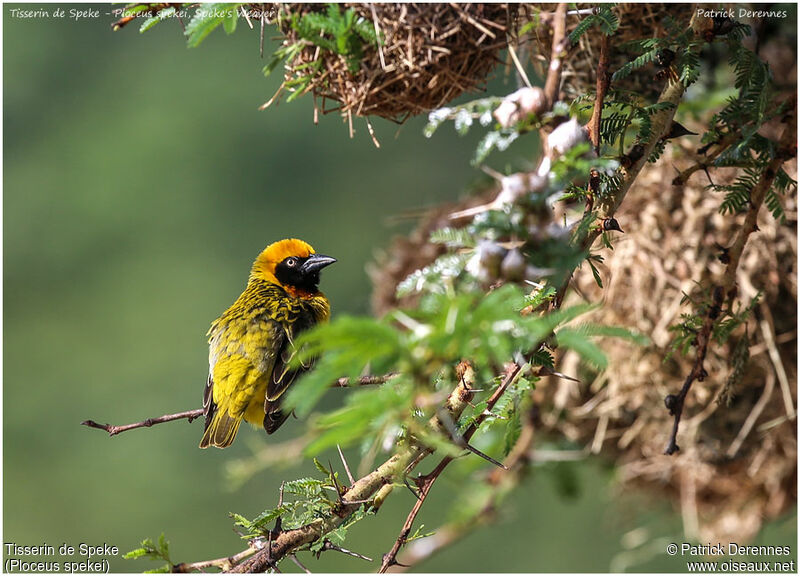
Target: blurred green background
pixel 140 182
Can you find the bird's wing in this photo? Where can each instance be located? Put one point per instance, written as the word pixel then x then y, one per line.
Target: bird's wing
pixel 208 399
pixel 282 373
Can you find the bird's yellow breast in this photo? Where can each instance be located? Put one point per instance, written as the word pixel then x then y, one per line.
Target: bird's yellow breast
pixel 245 341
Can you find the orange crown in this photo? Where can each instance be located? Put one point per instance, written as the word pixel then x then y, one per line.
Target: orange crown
pixel 274 254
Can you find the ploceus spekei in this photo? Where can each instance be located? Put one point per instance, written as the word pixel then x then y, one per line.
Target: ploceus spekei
pixel 251 345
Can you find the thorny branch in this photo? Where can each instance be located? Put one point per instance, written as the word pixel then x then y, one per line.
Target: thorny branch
pixel 500 484
pixel 603 81
pixel 407 457
pixel 726 288
pixel 426 482
pixel 637 159
pixel 710 154
pixel 560 44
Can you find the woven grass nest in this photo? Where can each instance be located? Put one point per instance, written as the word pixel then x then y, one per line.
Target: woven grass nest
pixel 428 55
pixel 738 461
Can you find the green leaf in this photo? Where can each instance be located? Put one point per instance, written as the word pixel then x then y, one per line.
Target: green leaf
pixel 595 273
pixel 206 19
pixel 229 23
pixel 365 410
pixel 453 237
pixel 578 341
pixel 149 549
pixel 637 62
pixel 136 553
pixel 349 345
pixel 513 430
pixel 581 28
pixel 153 20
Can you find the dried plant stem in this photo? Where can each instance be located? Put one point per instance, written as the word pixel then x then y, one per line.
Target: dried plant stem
pixel 769 387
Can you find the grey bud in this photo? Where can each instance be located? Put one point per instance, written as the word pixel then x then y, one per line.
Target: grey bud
pixel 519 105
pixel 490 257
pixel 513 267
pixel 566 136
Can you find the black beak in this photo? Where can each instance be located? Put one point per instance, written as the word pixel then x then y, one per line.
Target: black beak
pixel 315 263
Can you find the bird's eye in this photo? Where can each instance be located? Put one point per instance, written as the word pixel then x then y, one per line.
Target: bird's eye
pixel 291 262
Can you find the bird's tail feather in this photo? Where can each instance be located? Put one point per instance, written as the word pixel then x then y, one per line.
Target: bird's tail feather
pixel 274 418
pixel 220 431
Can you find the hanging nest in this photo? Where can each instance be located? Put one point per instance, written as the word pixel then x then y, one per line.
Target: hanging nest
pixel 738 461
pixel 428 54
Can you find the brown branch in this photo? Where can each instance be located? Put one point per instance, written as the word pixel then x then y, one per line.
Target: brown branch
pixel 628 172
pixel 603 81
pixel 114 430
pixel 426 482
pixel 191 415
pixel 557 53
pixel 710 155
pixel 726 289
pixel 222 563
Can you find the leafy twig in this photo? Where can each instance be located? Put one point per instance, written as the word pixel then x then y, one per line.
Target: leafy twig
pixel 405 459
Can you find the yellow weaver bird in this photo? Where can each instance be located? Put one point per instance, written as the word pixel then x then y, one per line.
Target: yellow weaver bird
pixel 252 343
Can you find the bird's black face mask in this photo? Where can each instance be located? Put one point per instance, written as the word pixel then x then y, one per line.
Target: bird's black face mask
pixel 302 273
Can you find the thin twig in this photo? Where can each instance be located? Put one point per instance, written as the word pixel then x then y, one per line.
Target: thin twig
pixel 365 380
pixel 114 430
pixel 261 33
pixel 346 467
pixel 750 421
pixel 603 81
pixel 191 415
pixel 329 546
pixel 499 483
pixel 518 66
pixel 768 332
pixel 360 492
pixel 560 43
pixel 726 288
pixel 294 559
pixel 710 155
pixel 426 482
